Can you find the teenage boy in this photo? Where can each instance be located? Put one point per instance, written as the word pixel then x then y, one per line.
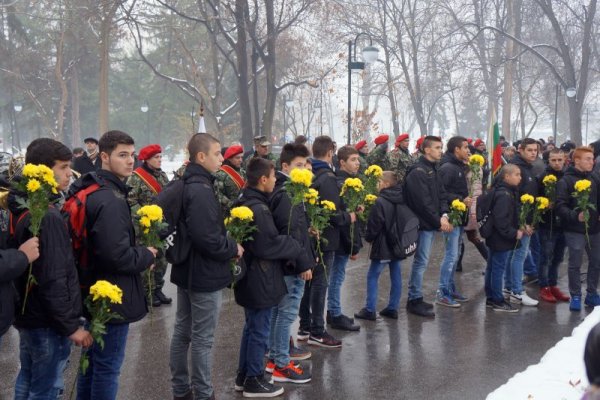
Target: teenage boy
pixel 312 307
pixel 263 286
pixel 552 237
pixel 378 229
pixel 349 165
pixel 453 171
pixel 295 221
pixel 577 237
pixel 114 257
pixel 50 320
pixel 426 197
pixel 513 279
pixel 201 278
pixel 504 237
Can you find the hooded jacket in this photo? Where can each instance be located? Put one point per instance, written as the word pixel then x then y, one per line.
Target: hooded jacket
pixel 529 182
pixel 505 218
pixel 425 194
pixel 454 177
pixel 346 240
pixel 379 222
pixel 207 268
pixel 263 285
pixel 566 203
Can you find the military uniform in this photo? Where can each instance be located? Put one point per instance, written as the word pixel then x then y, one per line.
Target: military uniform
pixel 363 164
pixel 227 189
pixel 378 157
pixel 398 161
pixel 269 156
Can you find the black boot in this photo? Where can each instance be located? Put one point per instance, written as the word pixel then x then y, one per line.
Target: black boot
pixel 343 323
pixel 419 307
pixel 161 296
pixel 155 300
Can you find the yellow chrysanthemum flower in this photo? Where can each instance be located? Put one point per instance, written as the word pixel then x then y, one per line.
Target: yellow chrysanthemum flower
pixel 477 159
pixel 527 198
pixel 301 176
pixel 242 213
pixel 354 183
pixel 227 221
pixel 33 185
pixel 374 170
pixel 458 205
pixel 145 222
pixel 542 203
pixel 30 170
pixel 370 198
pixel 329 205
pixel 106 290
pixel 152 212
pixel 311 196
pixel 548 179
pixel 583 184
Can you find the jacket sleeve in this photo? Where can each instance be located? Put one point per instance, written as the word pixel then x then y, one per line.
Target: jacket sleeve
pixel 376 222
pixel 423 206
pixel 503 216
pixel 111 238
pixel 447 176
pixel 268 244
pixel 205 227
pixel 329 190
pixel 56 259
pixel 12 264
pixel 563 198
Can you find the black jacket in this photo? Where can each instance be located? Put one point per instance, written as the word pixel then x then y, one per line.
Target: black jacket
pixel 263 285
pixel 529 182
pixel 207 268
pixel 325 182
pixel 345 238
pixel 566 203
pixel 281 206
pixel 424 193
pixel 454 177
pixel 114 257
pixel 12 264
pixel 84 164
pixel 505 218
pixel 380 221
pixel 550 218
pixel 55 301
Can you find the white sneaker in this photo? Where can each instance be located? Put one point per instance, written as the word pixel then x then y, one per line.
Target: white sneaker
pixel 528 301
pixel 506 293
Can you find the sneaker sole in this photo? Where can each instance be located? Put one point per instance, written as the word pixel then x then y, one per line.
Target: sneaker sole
pixel 302 338
pixel 319 344
pixel 514 310
pixel 301 357
pixel 447 305
pixel 269 370
pixel 272 394
pixel 238 388
pixel 290 380
pixel 341 328
pixel 515 301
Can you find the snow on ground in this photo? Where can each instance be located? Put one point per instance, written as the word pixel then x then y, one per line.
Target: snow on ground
pixel 560 373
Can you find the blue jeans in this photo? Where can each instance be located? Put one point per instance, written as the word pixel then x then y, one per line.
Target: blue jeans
pixel 532 262
pixel 496 265
pixel 372 280
pixel 101 380
pixel 312 306
pixel 43 355
pixel 283 316
pixel 552 254
pixel 452 239
pixel 513 278
pixel 419 265
pixel 336 279
pixel 255 340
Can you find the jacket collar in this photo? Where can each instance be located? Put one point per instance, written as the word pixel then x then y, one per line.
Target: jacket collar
pixel 424 160
pixel 504 185
pixel 344 174
pixel 198 170
pixel 575 172
pixel 319 164
pixel 252 193
pixel 111 179
pixel 150 170
pixel 518 160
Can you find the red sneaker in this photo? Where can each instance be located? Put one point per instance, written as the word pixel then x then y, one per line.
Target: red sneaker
pixel 291 373
pixel 558 294
pixel 546 295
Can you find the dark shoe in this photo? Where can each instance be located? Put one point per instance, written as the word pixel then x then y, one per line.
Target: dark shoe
pixel 303 334
pixel 161 296
pixel 504 306
pixel 366 314
pixel 420 308
pixel 258 386
pixel 343 324
pixel 329 318
pixel 188 396
pixel 389 313
pixel 155 300
pixel 324 340
pixel 293 373
pixel 298 353
pixel 239 382
pixel 458 267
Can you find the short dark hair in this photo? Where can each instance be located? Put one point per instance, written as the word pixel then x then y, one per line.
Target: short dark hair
pixel 454 143
pixel 111 139
pixel 200 143
pixel 505 170
pixel 78 150
pixel 556 150
pixel 257 168
pixel 47 151
pixel 345 152
pixel 428 142
pixel 591 354
pixel 291 151
pixel 321 146
pixel 526 142
pixel 300 139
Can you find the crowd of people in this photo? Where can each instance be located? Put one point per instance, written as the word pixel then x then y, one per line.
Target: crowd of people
pixel 291 269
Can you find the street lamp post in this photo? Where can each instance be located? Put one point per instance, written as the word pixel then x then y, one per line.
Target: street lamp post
pixel 287 103
pixel 144 108
pixel 370 55
pixel 18 108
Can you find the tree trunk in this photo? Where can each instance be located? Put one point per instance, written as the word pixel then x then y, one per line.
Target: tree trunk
pixel 105 29
pixel 509 69
pixel 64 92
pixel 242 76
pixel 271 72
pixel 575 111
pixel 75 120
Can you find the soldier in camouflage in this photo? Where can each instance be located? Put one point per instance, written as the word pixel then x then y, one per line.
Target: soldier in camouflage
pixel 363 152
pixel 379 154
pixel 230 179
pixel 261 149
pixel 146 182
pixel 399 159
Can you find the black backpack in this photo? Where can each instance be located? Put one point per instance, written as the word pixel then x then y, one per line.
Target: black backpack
pixel 403 232
pixel 170 199
pixel 485 218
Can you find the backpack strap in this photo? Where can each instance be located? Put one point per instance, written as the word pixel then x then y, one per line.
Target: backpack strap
pixel 13 223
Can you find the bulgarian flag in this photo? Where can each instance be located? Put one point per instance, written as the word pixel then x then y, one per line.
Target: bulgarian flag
pixel 493 145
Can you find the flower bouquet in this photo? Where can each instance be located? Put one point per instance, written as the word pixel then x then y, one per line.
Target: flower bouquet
pixel 319 214
pixel 296 187
pixel 549 183
pixel 240 227
pixel 476 162
pixel 372 176
pixel 541 206
pixel 583 188
pixel 353 194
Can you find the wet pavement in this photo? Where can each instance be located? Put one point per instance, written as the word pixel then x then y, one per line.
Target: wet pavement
pixel 461 354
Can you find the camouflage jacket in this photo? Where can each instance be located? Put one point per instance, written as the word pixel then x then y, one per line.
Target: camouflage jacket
pixel 363 164
pixel 226 189
pixel 398 161
pixel 378 157
pixel 269 156
pixel 140 193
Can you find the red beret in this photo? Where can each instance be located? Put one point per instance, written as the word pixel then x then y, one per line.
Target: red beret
pixel 420 142
pixel 469 140
pixel 233 151
pixel 149 151
pixel 381 139
pixel 478 143
pixel 360 144
pixel 402 138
